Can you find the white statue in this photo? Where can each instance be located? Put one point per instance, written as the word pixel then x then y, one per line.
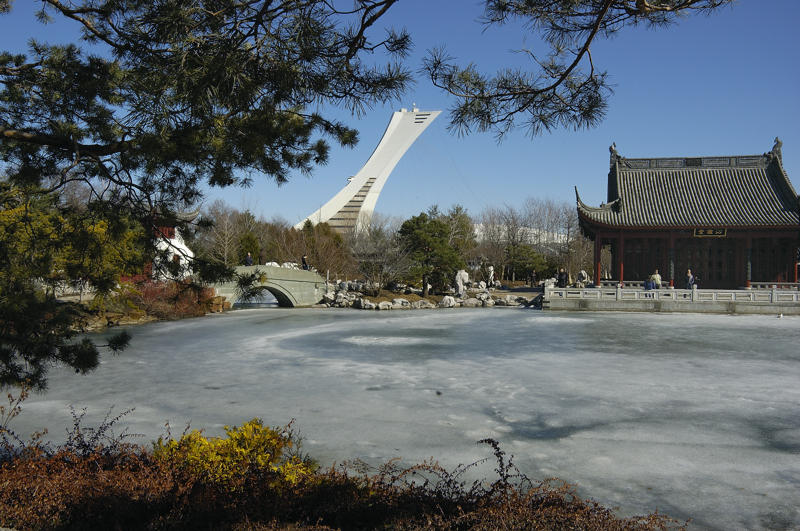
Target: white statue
pixel 462 277
pixel 490 279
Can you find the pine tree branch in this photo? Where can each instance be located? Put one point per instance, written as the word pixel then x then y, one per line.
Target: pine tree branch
pixel 64 143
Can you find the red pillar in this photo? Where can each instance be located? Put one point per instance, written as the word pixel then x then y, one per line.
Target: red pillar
pixel 749 257
pixel 621 258
pixel 671 259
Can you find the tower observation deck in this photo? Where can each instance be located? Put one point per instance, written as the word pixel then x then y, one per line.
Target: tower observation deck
pixel 352 207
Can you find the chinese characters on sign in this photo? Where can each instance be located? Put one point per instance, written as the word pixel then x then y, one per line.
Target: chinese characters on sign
pixel 710 233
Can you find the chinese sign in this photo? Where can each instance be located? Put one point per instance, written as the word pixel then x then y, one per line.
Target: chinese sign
pixel 710 233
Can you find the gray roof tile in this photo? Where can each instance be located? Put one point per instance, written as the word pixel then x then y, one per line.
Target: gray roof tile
pixel 735 191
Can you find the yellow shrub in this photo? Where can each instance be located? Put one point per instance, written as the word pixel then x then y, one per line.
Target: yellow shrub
pixel 251 447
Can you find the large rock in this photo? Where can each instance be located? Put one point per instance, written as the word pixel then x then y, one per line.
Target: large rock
pixel 512 300
pixel 351 285
pixel 472 302
pixel 422 304
pixel 217 304
pixel 357 285
pixel 447 302
pixel 329 297
pixel 488 303
pixel 384 305
pixel 342 300
pixel 400 304
pixel 364 304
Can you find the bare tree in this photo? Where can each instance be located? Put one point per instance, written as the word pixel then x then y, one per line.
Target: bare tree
pixel 379 255
pixel 220 241
pixel 246 221
pixel 492 239
pixel 542 217
pixel 515 234
pixel 577 249
pixel 550 228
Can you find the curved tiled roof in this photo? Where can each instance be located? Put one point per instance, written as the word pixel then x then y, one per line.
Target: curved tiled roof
pixel 738 191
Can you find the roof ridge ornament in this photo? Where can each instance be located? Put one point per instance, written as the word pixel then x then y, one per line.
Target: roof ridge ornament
pixel 776 150
pixel 614 154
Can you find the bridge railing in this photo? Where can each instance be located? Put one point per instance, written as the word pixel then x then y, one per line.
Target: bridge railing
pixel 677 295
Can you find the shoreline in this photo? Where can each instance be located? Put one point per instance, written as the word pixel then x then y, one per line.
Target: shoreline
pixel 524 297
pixel 99 321
pixel 351 295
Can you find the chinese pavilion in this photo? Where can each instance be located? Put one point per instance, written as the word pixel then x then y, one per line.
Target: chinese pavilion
pixel 731 220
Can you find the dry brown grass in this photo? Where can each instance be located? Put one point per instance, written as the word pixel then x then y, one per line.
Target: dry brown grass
pixel 123 487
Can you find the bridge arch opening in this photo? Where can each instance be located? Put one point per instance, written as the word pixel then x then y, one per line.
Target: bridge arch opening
pixel 284 301
pixel 262 295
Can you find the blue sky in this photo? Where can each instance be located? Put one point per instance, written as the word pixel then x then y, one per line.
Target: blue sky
pixel 724 84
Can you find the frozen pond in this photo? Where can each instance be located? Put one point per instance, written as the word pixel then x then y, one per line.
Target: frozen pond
pixel 697 416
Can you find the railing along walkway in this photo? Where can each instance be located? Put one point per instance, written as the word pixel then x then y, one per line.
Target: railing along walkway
pixel 678 295
pixel 754 285
pixel 779 285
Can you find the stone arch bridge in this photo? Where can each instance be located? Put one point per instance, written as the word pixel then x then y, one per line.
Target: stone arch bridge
pixel 292 287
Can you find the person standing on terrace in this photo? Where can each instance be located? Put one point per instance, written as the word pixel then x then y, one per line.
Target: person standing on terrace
pixel 562 278
pixel 655 278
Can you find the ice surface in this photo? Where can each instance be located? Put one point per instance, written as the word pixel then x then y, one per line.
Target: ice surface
pixel 697 416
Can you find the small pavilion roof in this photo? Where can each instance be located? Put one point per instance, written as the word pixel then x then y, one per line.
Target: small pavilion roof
pixel 729 191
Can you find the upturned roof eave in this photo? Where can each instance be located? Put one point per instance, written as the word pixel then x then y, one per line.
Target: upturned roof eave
pixel 785 178
pixel 587 208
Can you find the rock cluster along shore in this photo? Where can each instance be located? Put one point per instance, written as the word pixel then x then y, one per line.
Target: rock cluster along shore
pixel 351 295
pixel 218 304
pixel 100 321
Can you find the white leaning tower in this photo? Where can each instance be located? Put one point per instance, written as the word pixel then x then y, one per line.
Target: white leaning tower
pixel 352 207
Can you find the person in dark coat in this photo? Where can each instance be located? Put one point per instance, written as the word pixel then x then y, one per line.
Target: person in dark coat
pixel 689 279
pixel 305 263
pixel 248 260
pixel 562 278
